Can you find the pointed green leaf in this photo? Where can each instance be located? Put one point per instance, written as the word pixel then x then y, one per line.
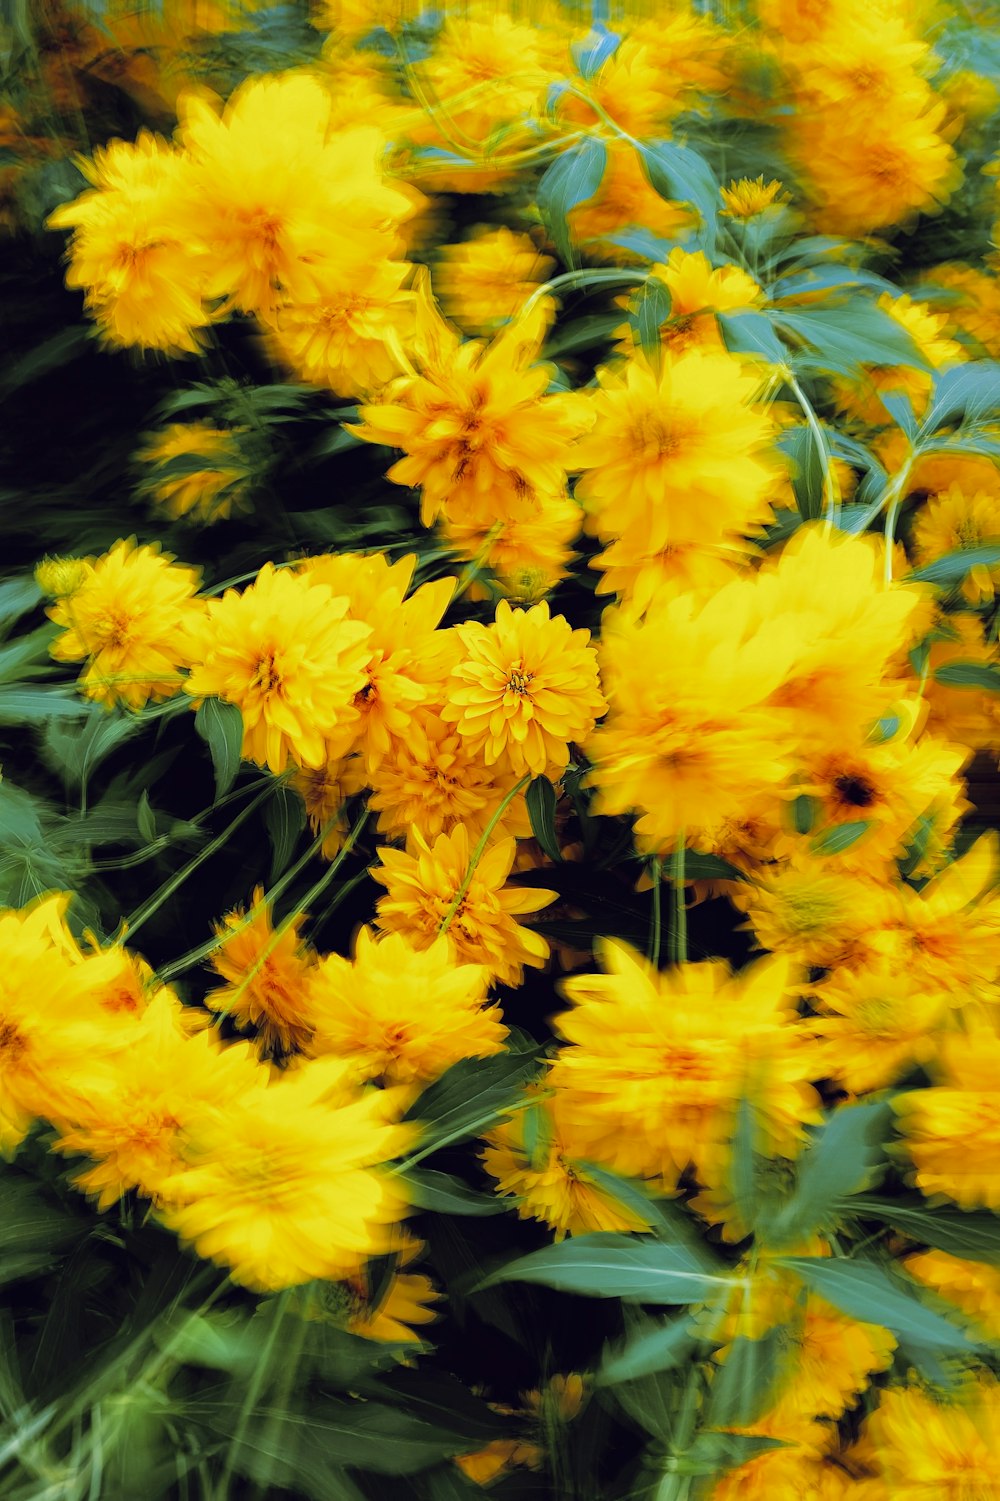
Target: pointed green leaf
pixel 572 179
pixel 969 675
pixel 973 1235
pixel 471 1097
pixel 680 174
pixel 607 1265
pixel 874 1296
pixel 840 837
pixel 541 803
pixel 220 725
pixel 842 1159
pixel 284 820
pixel 443 1194
pixel 952 568
pixel 656 1346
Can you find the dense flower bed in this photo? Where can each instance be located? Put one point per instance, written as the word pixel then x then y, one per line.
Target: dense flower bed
pixel 499 882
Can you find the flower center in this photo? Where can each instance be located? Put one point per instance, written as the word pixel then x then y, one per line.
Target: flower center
pixel 267 675
pixel 13 1044
pixel 518 681
pixel 855 791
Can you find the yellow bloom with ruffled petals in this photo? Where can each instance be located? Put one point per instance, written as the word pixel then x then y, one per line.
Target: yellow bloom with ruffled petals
pixel 952 1130
pixel 948 1450
pixel 267 977
pixel 697 292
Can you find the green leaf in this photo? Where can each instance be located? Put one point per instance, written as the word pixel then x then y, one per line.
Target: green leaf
pixel 35 705
pixel 855 332
pixel 608 1265
pixel 541 802
pixel 592 51
pixel 969 675
pixel 651 308
pixel 745 1382
pixel 471 1096
pixel 17 597
pixel 220 725
pixel 699 867
pixel 284 820
pixel 573 178
pixel 840 837
pixel 443 1194
pixel 714 1454
pixel 866 1292
pixel 952 568
pixel 20 816
pixel 808 472
pixel 680 174
pixel 803 813
pixel 973 1235
pixel 970 392
pixel 656 1347
pixel 145 818
pixel 752 333
pixel 844 1155
pixel 73 751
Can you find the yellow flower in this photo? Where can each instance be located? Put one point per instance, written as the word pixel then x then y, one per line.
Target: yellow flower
pixel 421 889
pixel 134 619
pixel 626 198
pixel 325 790
pixel 688 741
pixel 833 1360
pixel 816 913
pixel 659 1062
pixel 973 304
pixel 208 494
pixel 803 1469
pixel 546 1177
pixel 285 1187
pixel 953 1129
pixel 678 456
pixel 343 329
pixel 277 195
pixel 487 279
pixel 935 1449
pixel 406 1300
pixel 284 652
pixel 130 1117
pixel 525 687
pixel 927 330
pixel 972 1286
pixel 142 270
pixel 61 577
pixel 697 293
pixel 436 781
pixel 875 1023
pixel 526 556
pixel 481 438
pixel 965 716
pixel 402 1015
pixel 748 197
pixel 639 574
pixel 408 652
pixel 953 521
pixel 268 979
pixel 50 1019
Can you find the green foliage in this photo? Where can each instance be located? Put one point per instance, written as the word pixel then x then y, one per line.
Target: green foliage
pixel 608 1265
pixel 573 178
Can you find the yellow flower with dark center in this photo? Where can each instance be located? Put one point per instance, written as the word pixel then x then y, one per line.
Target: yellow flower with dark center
pixel 657 1063
pixel 134 618
pixel 286 654
pixel 143 271
pixel 953 1129
pixel 956 520
pixel 421 890
pixel 436 781
pixel 208 494
pixel 285 1187
pixel 267 978
pixel 480 436
pixel 135 1104
pixel 547 1178
pixel 748 197
pixel 524 688
pixel 486 280
pixel 680 456
pixel 972 1286
pixel 947 1450
pixel 402 1015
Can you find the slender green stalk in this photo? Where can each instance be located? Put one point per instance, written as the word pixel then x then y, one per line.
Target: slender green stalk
pixel 255 1387
pixel 583 278
pixel 654 942
pixel 831 488
pixel 480 850
pixel 678 928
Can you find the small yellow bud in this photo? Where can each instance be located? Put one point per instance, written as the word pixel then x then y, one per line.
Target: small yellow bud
pixel 61 577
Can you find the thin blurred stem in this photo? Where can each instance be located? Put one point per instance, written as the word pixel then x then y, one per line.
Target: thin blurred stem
pixel 678 928
pixel 654 942
pixel 255 1387
pixel 831 489
pixel 480 850
pixel 583 277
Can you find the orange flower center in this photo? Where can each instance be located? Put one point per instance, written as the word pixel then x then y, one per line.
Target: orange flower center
pixel 13 1044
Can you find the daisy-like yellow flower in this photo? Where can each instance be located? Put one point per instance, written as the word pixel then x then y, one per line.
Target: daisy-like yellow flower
pixel 132 1109
pixel 658 1062
pixel 324 790
pixel 421 889
pixel 134 619
pixel 285 1187
pixel 953 1129
pixel 747 197
pixel 204 495
pixel 524 688
pixel 638 574
pixel 343 330
pixel 407 1300
pixel 408 652
pixel 876 1023
pixel 487 279
pixel 965 716
pixel 402 1015
pixel 51 1021
pixel 535 1162
pixel 926 1448
pixel 680 455
pixel 526 557
pixel 689 741
pixel 436 781
pixel 972 1286
pixel 972 304
pixel 927 329
pixel 481 438
pixel 812 911
pixel 286 654
pixel 955 520
pixel 268 977
pixel 143 272
pixel 697 292
pixel 276 195
pixel 61 577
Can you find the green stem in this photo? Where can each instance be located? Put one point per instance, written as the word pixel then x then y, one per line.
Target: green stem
pixel 678 929
pixel 480 850
pixel 255 1387
pixel 583 277
pixel 155 902
pixel 654 943
pixel 831 489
